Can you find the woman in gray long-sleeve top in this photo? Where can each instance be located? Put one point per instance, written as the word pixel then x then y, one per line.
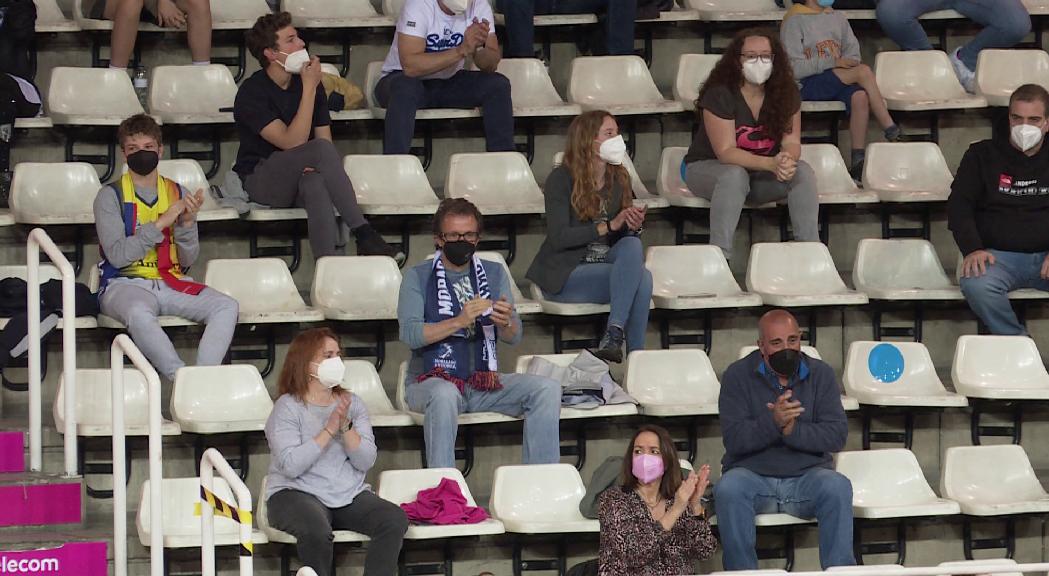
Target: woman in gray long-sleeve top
pixel 322 445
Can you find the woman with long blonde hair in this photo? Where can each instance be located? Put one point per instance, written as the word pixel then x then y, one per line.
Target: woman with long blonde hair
pixel 593 252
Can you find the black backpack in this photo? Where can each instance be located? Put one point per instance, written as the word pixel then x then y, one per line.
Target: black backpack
pixel 17 30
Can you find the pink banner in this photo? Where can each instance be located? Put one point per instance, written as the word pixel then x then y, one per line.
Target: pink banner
pixel 12 452
pixel 72 558
pixel 39 504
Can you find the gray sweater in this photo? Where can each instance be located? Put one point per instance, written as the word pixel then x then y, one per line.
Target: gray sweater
pixel 121 250
pixel 815 39
pixel 333 474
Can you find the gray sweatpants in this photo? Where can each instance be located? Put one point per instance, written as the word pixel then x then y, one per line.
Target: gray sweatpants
pixel 281 181
pixel 728 187
pixel 136 302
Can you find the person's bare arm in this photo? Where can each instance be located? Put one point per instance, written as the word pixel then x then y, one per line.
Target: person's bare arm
pixel 322 132
pixel 287 136
pixel 416 61
pixel 488 56
pixel 791 142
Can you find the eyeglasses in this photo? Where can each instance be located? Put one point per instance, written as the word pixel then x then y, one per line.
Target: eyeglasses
pixel 457 236
pixel 754 58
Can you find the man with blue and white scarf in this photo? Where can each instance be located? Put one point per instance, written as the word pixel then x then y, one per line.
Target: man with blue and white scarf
pixel 453 310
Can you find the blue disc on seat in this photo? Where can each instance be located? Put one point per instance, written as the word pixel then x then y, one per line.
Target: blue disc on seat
pixel 885 362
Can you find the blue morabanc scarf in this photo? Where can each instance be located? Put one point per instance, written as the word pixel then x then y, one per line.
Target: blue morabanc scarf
pixel 449 359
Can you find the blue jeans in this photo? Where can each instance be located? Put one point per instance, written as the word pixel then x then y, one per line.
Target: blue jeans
pixel 988 295
pixel 537 398
pixel 820 493
pixel 403 96
pixel 621 281
pixel 618 15
pixel 1005 23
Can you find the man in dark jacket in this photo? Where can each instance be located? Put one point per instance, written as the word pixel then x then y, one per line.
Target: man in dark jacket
pixel 781 418
pixel 998 209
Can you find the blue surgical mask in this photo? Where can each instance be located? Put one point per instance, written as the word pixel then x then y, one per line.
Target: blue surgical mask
pixel 825 3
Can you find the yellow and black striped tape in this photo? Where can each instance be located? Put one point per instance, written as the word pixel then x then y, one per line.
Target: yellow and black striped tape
pixel 224 508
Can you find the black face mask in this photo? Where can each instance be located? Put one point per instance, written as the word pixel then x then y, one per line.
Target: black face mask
pixel 459 252
pixel 143 162
pixel 785 362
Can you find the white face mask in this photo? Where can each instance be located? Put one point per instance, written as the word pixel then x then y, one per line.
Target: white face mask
pixel 456 6
pixel 330 372
pixel 295 61
pixel 757 72
pixel 613 150
pixel 1025 136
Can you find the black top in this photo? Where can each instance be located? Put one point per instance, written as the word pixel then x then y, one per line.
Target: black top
pixel 1000 199
pixel 259 102
pixel 728 103
pixel 567 237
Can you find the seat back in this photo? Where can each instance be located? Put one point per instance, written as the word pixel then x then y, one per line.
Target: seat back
pixel 398 398
pixel 897 369
pixel 232 10
pixel 906 167
pixel 669 182
pixel 989 475
pixel 219 394
pixel 917 75
pixel 988 362
pixel 792 268
pixel 537 493
pixel 492 179
pixel 832 177
pixel 48 12
pixel 692 73
pixel 371 78
pixel 1000 72
pixel 257 284
pixel 733 5
pixel 671 376
pixel 402 486
pixel 392 7
pixel 324 9
pixel 884 477
pixel 637 185
pixel 690 271
pixel 181 499
pixel 98 92
pixel 42 192
pixel 94 398
pixel 191 89
pixel 598 81
pixel 389 179
pixel 530 83
pixel 562 360
pixel 898 264
pixel 365 286
pixel 362 379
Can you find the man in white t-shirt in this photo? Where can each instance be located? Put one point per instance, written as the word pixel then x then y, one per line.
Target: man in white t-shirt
pixel 425 69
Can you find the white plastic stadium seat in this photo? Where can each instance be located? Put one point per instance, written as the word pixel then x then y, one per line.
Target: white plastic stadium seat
pixel 834 185
pixel 220 399
pixel 531 89
pixel 280 537
pixel 1037 7
pixel 54 193
pixel 565 309
pixel 356 287
pixel 264 289
pixel 907 172
pixel 237 14
pixel 374 73
pixel 190 175
pixel 540 499
pixel 568 413
pixel 91 96
pixel 847 402
pixel 992 481
pixel 465 418
pixel 890 484
pixel 340 14
pixel 988 562
pixel 94 404
pixel 393 184
pixel 497 182
pixel 345 115
pixel 49 18
pixel 192 94
pixel 93 280
pixel 694 277
pixel 622 85
pixel 736 10
pixel 642 197
pixel 880 567
pixel 692 73
pixel 181 522
pixel 1000 72
pixel 362 379
pixel 403 486
pixel 678 382
pixel 921 80
pixel 669 184
pixel 901 269
pixel 918 384
pixel 999 367
pixel 797 274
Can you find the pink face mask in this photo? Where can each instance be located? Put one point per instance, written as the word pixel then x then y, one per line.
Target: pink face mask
pixel 647 467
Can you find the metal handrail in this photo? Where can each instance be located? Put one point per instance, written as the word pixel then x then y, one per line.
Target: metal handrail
pixel 211 461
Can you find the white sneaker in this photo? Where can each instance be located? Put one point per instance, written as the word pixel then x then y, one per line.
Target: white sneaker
pixel 965 76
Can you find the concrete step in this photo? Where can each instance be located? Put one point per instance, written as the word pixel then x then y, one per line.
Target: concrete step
pixel 35 499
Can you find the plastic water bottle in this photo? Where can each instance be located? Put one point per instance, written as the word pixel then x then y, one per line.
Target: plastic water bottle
pixel 141 82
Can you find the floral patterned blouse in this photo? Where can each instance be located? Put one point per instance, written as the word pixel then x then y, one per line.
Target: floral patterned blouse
pixel 634 544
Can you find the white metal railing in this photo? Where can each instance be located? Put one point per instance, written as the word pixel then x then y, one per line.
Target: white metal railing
pixel 211 461
pixel 123 346
pixel 39 239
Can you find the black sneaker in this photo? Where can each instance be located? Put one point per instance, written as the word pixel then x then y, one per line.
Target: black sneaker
pixel 857 173
pixel 370 243
pixel 611 347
